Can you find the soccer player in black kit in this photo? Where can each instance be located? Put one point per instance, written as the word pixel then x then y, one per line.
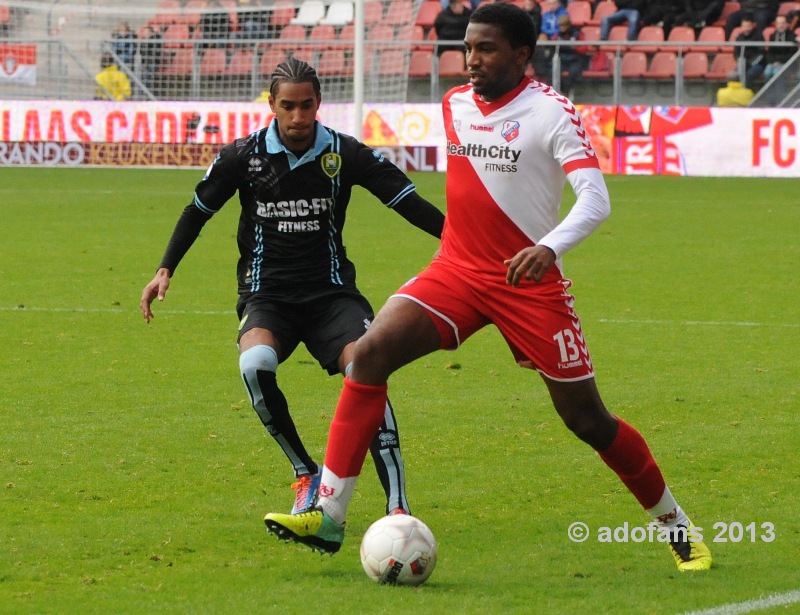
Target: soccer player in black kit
pixel 296 284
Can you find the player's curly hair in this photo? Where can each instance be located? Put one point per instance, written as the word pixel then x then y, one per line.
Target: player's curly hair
pixel 293 71
pixel 516 25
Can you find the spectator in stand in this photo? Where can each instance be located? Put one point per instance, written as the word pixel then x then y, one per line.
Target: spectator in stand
pixel 699 13
pixel 534 9
pixel 123 43
pixel 574 58
pixel 662 13
pixel 451 25
pixel 543 55
pixel 215 24
pixel 112 83
pixel 150 54
pixel 253 20
pixel 777 56
pixel 628 11
pixel 753 54
pixel 763 11
pixel 550 14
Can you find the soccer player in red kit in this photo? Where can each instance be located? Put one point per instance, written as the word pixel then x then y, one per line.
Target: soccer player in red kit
pixel 511 145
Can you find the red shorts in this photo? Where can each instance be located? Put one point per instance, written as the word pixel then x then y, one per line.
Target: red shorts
pixel 536 318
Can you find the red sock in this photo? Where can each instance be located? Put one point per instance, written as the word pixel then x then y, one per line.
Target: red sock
pixel 630 458
pixel 358 416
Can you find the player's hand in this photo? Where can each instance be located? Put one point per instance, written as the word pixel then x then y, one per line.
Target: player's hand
pixel 156 288
pixel 531 262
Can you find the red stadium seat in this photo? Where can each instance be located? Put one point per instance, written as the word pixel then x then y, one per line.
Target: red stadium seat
pixel 333 62
pixel 373 12
pixel 242 63
pixel 712 37
pixel 282 13
pixel 727 9
pixel 321 35
pixel 420 63
pixel 182 63
pixel 651 34
pixel 399 13
pixel 427 13
pixel 269 60
pixel 634 64
pixel 214 62
pixel 452 64
pixel 681 34
pixel 721 67
pixel 603 8
pixel 291 33
pixel 580 12
pixel 392 62
pixel 695 65
pixel 664 65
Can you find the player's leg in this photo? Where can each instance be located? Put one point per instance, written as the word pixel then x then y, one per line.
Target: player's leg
pixel 556 347
pixel 402 332
pixel 259 356
pixel 388 459
pixel 625 451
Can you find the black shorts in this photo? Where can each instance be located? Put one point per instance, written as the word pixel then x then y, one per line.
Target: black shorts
pixel 325 325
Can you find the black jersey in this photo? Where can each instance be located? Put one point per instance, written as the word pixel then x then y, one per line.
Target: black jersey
pixel 294 210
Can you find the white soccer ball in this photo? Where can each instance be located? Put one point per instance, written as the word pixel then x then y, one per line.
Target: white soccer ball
pixel 398 550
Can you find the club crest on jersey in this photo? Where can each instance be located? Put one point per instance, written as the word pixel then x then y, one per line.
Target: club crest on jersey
pixel 331 164
pixel 510 130
pixel 255 164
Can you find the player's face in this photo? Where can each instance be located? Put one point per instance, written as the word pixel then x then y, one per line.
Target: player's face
pixel 494 67
pixel 295 106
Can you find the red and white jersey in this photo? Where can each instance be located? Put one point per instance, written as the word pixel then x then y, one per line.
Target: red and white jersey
pixel 507 163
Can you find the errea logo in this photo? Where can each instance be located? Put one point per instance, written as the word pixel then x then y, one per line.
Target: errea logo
pixel 255 164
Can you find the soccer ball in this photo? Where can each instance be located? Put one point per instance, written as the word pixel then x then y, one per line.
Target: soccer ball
pixel 398 550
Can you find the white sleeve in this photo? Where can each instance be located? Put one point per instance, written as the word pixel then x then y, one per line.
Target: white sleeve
pixel 591 208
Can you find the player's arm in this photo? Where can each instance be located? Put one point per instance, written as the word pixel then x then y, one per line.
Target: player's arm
pixel 218 185
pixel 187 230
pixel 421 213
pixel 591 208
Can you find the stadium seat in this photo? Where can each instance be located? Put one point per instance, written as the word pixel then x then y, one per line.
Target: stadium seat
pixel 681 34
pixel 766 32
pixel 712 37
pixel 695 65
pixel 619 34
pixel 427 13
pixel 309 13
pixel 727 9
pixel 650 34
pixel 176 35
pixel 452 64
pixel 601 65
pixel 420 63
pixel 269 60
pixel 634 64
pixel 373 12
pixel 167 12
pixel 785 7
pixel 321 37
pixel 601 9
pixel 332 62
pixel 392 62
pixel 181 64
pixel 214 62
pixel 193 11
pixel 378 36
pixel 399 13
pixel 242 63
pixel 410 32
pixel 291 33
pixel 721 67
pixel 664 65
pixel 282 14
pixel 580 12
pixel 340 12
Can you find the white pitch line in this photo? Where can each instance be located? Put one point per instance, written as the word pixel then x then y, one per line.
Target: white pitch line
pixel 613 321
pixel 697 323
pixel 80 310
pixel 749 606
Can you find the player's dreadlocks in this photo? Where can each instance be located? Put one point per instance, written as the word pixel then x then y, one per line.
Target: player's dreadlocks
pixel 294 71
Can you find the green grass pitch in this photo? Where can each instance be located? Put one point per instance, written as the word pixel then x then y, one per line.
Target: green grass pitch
pixel 134 476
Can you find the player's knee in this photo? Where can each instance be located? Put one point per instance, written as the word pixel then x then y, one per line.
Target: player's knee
pixel 258 358
pixel 595 426
pixel 371 359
